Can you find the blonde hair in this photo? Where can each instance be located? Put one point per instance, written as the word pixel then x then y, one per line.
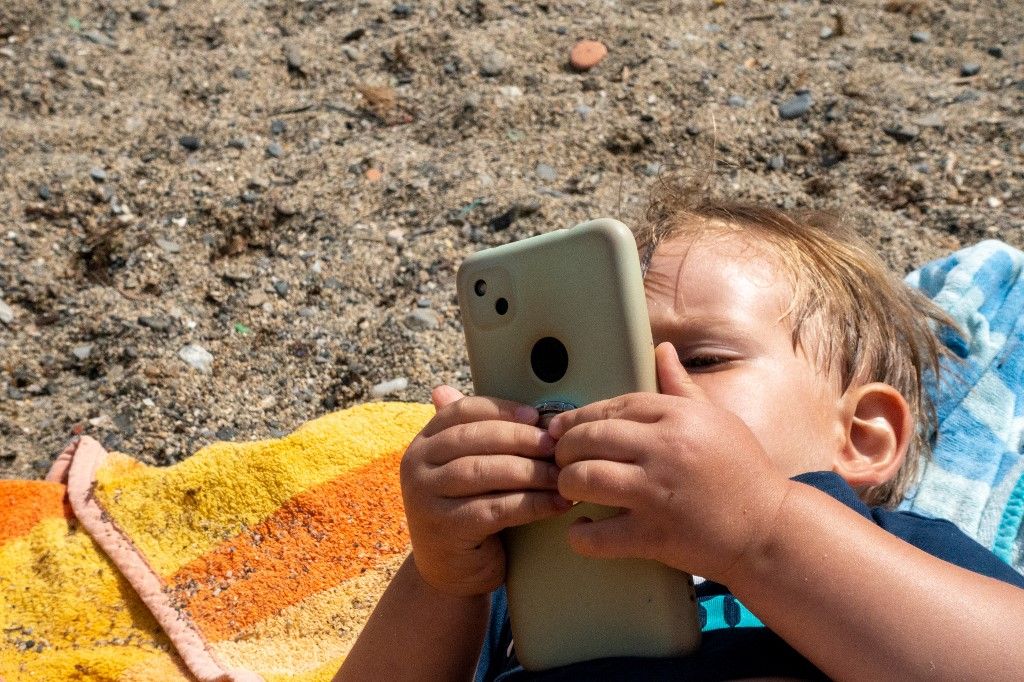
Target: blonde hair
pixel 873 326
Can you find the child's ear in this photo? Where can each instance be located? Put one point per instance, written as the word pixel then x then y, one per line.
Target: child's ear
pixel 878 428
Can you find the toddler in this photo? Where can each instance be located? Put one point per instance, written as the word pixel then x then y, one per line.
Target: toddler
pixel 790 420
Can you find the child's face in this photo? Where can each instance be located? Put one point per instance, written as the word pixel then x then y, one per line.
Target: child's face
pixel 722 302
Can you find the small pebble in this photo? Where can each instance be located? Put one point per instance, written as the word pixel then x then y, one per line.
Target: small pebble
pixel 197 357
pixel 994 202
pixel 82 352
pixel 277 126
pixel 922 167
pixel 189 142
pixel 98 174
pixel 736 101
pixel 168 246
pixel 546 173
pixel 387 387
pixel 995 51
pixel 401 10
pixel 902 132
pixel 44 192
pixel 238 73
pixel 493 64
pixel 422 319
pixel 584 111
pixel 777 162
pixel 274 150
pixel 795 106
pixel 825 33
pixel 374 175
pixel 968 69
pixel 587 54
pixel 237 143
pixel 395 237
pixel 281 287
pixel 920 37
pixel 58 60
pixel 6 313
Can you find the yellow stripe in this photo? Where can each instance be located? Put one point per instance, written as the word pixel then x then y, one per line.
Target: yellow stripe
pixel 99 664
pixel 312 635
pixel 59 592
pixel 178 513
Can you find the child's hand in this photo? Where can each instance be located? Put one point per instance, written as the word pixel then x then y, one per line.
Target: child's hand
pixel 696 487
pixel 478 467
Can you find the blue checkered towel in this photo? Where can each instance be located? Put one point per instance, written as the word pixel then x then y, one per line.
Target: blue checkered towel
pixel 976 477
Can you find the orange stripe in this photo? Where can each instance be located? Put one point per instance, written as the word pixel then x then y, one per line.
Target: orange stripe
pixel 23 504
pixel 316 540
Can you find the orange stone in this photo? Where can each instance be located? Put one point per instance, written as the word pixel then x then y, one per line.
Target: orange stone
pixel 587 54
pixel 374 175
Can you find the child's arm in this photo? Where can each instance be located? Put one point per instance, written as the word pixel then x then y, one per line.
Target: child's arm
pixel 417 632
pixel 862 604
pixel 480 466
pixel 700 494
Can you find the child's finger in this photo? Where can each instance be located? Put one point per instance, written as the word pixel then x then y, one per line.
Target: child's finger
pixel 487 438
pixel 612 484
pixel 490 514
pixel 478 408
pixel 444 395
pixel 612 538
pixel 672 376
pixel 484 474
pixel 617 440
pixel 645 408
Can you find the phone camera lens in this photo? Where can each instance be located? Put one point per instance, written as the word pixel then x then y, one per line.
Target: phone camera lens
pixel 501 306
pixel 480 287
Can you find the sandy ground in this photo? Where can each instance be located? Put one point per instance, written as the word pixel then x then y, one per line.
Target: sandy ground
pixel 285 189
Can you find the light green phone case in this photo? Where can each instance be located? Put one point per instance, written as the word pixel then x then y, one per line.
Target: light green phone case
pixel 556 320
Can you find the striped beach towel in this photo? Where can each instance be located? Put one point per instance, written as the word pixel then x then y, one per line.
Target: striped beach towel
pixel 976 477
pixel 244 562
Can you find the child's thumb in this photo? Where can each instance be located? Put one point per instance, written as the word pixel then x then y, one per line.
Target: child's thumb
pixel 445 395
pixel 672 376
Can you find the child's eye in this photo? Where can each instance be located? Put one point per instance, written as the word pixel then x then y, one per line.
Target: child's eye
pixel 703 361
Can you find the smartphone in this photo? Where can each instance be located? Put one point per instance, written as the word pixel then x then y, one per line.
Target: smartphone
pixel 558 321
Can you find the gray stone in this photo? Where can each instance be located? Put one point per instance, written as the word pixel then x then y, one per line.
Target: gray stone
pixel 99 38
pixel 546 173
pixel 168 246
pixel 190 142
pixel 98 174
pixel 902 132
pixel 388 387
pixel 6 313
pixel 281 287
pixel 422 319
pixel 736 101
pixel 275 150
pixel 968 69
pixel 155 322
pixel 493 64
pixel 83 351
pixel 777 162
pixel 796 106
pixel 920 37
pixel 197 357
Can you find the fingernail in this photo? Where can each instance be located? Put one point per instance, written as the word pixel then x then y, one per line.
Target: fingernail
pixel 525 414
pixel 546 443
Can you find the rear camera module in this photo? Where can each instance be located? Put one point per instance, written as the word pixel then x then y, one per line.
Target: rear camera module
pixel 480 287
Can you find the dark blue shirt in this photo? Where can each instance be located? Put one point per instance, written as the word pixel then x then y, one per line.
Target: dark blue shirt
pixel 734 643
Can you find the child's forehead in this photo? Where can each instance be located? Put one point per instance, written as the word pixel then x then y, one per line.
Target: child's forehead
pixel 708 271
